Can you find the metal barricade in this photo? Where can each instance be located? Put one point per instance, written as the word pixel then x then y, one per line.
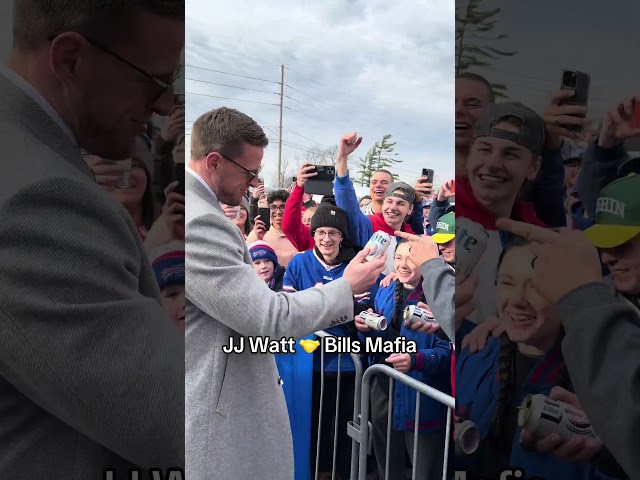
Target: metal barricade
pixel 356 411
pixel 362 435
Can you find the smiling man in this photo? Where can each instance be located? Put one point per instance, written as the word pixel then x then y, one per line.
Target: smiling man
pixel 616 233
pixel 91 366
pixel 504 156
pixel 445 237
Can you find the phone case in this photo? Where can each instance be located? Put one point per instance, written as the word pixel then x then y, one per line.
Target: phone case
pixel 581 96
pixel 321 184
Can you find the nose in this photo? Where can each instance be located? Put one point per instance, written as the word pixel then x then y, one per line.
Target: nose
pixel 608 257
pixel 520 294
pixel 460 107
pixel 164 103
pixel 254 182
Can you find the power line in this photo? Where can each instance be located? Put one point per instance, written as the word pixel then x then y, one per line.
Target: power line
pixel 227 98
pixel 308 151
pixel 301 113
pixel 310 139
pixel 235 53
pixel 314 98
pixel 305 104
pixel 232 74
pixel 230 86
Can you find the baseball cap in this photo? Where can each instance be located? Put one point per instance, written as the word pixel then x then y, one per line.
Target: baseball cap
pixel 445 228
pixel 531 133
pixel 617 213
pixel 409 193
pixel 629 166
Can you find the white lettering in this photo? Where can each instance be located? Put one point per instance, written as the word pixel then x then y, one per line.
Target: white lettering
pixel 611 206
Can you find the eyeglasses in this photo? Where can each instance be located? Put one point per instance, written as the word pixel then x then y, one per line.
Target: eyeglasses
pixel 252 174
pixel 321 234
pixel 163 85
pixel 276 208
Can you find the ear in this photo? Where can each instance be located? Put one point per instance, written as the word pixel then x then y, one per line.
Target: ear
pixel 536 163
pixel 212 161
pixel 67 56
pixel 410 210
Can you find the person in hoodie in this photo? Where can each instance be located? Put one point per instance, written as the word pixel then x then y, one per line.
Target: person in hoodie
pixel 301 372
pixel 504 157
pixel 526 359
pixel 430 365
pixel 473 95
pixel 397 207
pixel 265 263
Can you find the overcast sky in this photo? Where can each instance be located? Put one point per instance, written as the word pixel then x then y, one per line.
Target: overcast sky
pixel 600 38
pixel 374 66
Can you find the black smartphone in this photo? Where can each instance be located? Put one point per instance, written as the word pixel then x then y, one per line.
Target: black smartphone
pixel 265 216
pixel 427 172
pixel 321 184
pixel 178 175
pixel 580 83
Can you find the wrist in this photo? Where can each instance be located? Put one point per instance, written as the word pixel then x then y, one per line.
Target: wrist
pixel 607 141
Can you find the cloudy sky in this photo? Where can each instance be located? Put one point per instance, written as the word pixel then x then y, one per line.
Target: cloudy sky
pixel 549 36
pixel 373 66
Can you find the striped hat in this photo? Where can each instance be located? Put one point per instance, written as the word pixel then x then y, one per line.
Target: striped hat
pixel 169 267
pixel 262 250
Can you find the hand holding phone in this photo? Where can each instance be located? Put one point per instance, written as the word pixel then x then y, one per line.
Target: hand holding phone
pixel 428 174
pixel 579 83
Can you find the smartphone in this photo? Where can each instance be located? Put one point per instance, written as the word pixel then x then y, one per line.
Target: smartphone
pixel 427 172
pixel 295 179
pixel 321 184
pixel 265 216
pixel 580 83
pixel 261 181
pixel 635 120
pixel 178 175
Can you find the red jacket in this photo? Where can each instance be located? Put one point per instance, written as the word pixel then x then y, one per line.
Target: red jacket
pixel 296 231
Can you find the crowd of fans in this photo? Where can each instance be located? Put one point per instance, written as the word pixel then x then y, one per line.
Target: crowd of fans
pixel 551 197
pixel 310 243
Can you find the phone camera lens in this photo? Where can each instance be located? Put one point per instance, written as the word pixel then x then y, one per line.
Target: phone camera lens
pixel 569 79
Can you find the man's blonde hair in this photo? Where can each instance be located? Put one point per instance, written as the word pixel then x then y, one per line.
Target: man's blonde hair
pixel 225 130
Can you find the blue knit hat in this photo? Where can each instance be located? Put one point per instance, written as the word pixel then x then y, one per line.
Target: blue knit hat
pixel 169 269
pixel 262 250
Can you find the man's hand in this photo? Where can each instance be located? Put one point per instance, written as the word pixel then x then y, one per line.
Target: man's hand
pixel 360 324
pixel 422 248
pixel 557 117
pixel 262 201
pixel 259 228
pixel 446 190
pixel 230 212
pixel 576 449
pixel 476 340
pixel 348 144
pixel 465 298
pixel 173 211
pixel 400 361
pixel 617 125
pixel 305 173
pixel 386 281
pixel 259 191
pixel 360 274
pixel 423 327
pixel 564 261
pixel 422 188
pixel 173 126
pixel 107 173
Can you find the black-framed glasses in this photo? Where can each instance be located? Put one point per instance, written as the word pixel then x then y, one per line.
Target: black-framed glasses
pixel 162 84
pixel 276 208
pixel 253 174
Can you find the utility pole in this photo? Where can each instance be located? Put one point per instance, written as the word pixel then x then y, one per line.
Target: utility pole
pixel 280 180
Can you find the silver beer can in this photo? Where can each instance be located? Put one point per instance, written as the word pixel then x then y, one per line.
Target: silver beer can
pixel 467 437
pixel 541 416
pixel 374 321
pixel 380 241
pixel 471 243
pixel 416 314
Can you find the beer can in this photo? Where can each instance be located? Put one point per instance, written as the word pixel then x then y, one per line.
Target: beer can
pixel 541 416
pixel 471 243
pixel 380 241
pixel 467 437
pixel 373 320
pixel 416 314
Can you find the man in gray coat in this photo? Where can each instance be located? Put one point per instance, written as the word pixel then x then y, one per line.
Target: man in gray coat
pixel 91 373
pixel 236 418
